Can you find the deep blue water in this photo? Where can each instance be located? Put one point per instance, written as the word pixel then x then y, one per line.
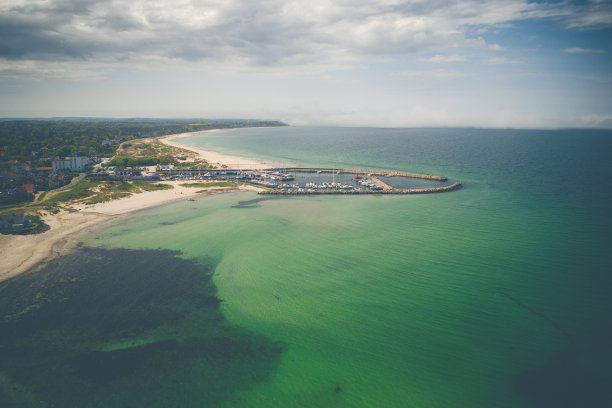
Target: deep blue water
pixel 563 164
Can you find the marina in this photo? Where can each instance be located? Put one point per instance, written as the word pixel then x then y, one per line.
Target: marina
pixel 304 181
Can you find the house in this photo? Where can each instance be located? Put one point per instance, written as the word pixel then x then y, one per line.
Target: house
pixel 28 187
pixel 75 163
pixel 45 168
pixel 14 221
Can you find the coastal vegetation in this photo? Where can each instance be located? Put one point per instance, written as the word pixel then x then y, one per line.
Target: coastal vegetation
pixel 36 139
pixel 80 191
pixel 151 152
pixel 93 192
pixel 86 192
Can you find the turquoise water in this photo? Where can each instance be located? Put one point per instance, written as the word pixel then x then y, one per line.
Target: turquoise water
pixel 493 295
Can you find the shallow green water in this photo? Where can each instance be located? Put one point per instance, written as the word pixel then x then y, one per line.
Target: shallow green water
pixel 494 295
pixel 123 328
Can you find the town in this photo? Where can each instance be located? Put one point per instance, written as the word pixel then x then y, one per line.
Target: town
pixel 38 173
pixel 22 180
pixel 42 155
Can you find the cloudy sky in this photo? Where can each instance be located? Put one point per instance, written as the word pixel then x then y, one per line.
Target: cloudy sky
pixel 489 63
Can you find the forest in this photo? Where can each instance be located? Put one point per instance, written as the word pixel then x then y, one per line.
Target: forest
pixel 35 139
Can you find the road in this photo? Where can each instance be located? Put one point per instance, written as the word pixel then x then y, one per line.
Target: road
pixel 72 183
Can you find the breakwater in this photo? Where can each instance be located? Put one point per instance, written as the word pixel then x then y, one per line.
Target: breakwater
pixel 357 171
pixel 381 184
pixel 452 187
pixel 276 180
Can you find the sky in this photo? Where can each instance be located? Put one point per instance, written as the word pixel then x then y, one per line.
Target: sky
pixel 389 63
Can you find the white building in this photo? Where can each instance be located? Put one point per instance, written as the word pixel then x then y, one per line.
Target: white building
pixel 14 221
pixel 76 163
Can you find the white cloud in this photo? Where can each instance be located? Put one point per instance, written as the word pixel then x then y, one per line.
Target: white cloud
pixel 28 69
pixel 502 61
pixel 321 61
pixel 439 73
pixel 247 34
pixel 596 121
pixel 592 15
pixel 445 58
pixel 583 51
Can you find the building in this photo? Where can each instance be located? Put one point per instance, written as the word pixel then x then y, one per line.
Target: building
pixel 76 163
pixel 14 221
pixel 28 187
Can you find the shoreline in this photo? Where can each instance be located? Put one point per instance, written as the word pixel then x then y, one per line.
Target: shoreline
pixel 22 253
pixel 216 158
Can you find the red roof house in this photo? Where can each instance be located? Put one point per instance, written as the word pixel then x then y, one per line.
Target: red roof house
pixel 28 187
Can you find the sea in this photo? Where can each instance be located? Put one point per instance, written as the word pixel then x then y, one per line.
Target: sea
pixel 495 295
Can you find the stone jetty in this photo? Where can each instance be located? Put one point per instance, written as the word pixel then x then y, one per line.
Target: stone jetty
pixel 372 172
pixel 270 179
pixel 392 190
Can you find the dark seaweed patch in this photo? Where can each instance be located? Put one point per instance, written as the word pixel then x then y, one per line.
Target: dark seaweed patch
pixel 123 328
pixel 254 203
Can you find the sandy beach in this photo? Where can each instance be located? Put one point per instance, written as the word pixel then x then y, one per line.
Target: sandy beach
pixel 23 252
pixel 234 162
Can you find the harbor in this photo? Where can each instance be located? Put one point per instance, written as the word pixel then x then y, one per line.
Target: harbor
pixel 305 181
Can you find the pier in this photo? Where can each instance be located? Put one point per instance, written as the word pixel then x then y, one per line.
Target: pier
pixel 280 181
pixel 381 184
pixel 356 171
pixel 452 187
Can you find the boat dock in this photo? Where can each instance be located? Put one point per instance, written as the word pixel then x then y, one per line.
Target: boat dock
pixel 391 190
pixel 281 181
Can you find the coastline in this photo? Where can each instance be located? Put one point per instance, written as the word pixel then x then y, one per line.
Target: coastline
pixel 21 253
pixel 216 158
pixel 25 252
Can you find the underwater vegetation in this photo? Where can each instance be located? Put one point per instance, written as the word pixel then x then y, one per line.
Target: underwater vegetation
pixel 123 328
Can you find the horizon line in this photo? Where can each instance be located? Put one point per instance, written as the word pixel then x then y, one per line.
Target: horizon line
pixel 135 118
